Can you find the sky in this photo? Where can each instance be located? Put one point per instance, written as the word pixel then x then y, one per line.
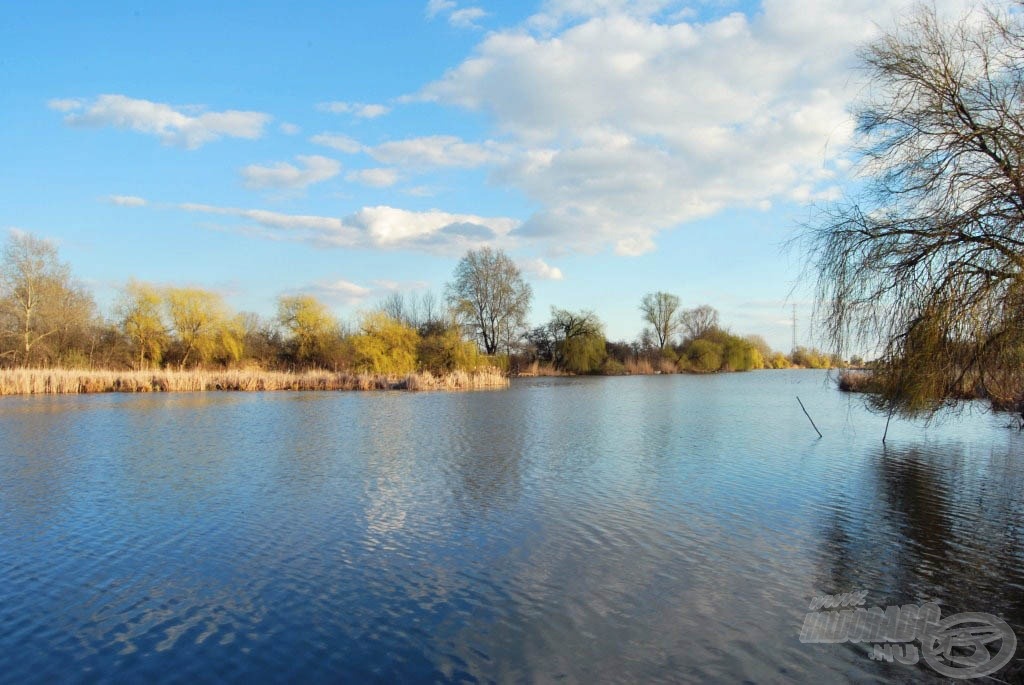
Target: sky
pixel 350 150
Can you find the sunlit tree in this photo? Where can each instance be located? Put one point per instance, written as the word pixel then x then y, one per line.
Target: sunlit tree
pixel 42 310
pixel 312 330
pixel 491 297
pixel 139 312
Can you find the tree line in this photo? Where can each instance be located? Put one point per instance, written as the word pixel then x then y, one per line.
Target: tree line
pixel 49 319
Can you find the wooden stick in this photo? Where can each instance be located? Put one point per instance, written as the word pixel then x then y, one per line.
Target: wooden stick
pixel 809 417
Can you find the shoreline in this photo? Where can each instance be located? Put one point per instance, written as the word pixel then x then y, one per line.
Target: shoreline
pixel 26 381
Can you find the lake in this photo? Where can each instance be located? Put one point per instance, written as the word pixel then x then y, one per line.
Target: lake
pixel 661 528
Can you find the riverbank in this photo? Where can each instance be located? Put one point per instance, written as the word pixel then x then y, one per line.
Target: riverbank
pixel 22 381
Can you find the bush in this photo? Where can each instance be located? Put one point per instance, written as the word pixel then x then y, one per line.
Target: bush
pixel 705 356
pixel 384 345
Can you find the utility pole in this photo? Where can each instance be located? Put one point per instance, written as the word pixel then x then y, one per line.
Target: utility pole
pixel 794 328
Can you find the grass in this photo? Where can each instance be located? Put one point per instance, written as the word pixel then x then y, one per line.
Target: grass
pixel 24 381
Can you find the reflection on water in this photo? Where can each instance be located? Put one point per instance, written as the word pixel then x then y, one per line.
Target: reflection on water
pixel 658 529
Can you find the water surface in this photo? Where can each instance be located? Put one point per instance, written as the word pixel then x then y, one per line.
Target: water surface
pixel 665 528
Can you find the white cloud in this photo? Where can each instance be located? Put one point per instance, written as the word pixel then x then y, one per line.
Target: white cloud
pixel 466 18
pixel 284 176
pixel 64 105
pixel 435 7
pixel 337 141
pixel 541 269
pixel 358 109
pixel 459 17
pixel 437 151
pixel 188 127
pixel 127 201
pixel 374 227
pixel 320 230
pixel 343 292
pixel 290 129
pixel 378 178
pixel 339 291
pixel 620 123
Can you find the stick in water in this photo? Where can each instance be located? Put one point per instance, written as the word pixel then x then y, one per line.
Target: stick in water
pixel 809 417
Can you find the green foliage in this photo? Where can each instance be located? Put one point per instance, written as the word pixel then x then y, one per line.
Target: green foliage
pixel 384 345
pixel 579 345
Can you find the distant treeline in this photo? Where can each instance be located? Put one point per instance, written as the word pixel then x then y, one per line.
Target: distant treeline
pixel 48 319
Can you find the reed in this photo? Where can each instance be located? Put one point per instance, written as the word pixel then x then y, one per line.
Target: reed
pixel 26 381
pixel 856 381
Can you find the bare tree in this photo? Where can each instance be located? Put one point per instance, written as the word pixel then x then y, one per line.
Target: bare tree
pixel 926 263
pixel 491 297
pixel 661 311
pixel 39 303
pixel 699 321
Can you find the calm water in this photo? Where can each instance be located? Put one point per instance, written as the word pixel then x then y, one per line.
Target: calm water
pixel 607 529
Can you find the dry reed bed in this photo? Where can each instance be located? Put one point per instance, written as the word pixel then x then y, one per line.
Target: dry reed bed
pixel 76 381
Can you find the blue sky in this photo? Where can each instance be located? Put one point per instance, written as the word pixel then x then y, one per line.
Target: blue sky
pixel 613 148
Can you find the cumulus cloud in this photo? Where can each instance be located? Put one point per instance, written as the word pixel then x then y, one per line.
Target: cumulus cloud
pixel 437 151
pixel 284 176
pixel 541 269
pixel 375 227
pixel 620 122
pixel 358 109
pixel 189 127
pixel 378 178
pixel 127 200
pixel 339 142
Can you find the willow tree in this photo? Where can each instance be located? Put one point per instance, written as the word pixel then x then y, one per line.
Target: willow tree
pixel 579 344
pixel 490 297
pixel 314 333
pixel 140 317
pixel 205 328
pixel 926 262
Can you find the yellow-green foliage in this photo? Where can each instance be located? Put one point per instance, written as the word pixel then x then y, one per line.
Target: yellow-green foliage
pixel 141 320
pixel 813 359
pixel 384 345
pixel 705 356
pixel 444 351
pixel 582 353
pixel 740 355
pixel 203 325
pixel 313 330
pixel 779 361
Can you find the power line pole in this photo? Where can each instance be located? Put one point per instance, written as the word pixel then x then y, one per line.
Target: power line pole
pixel 794 328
